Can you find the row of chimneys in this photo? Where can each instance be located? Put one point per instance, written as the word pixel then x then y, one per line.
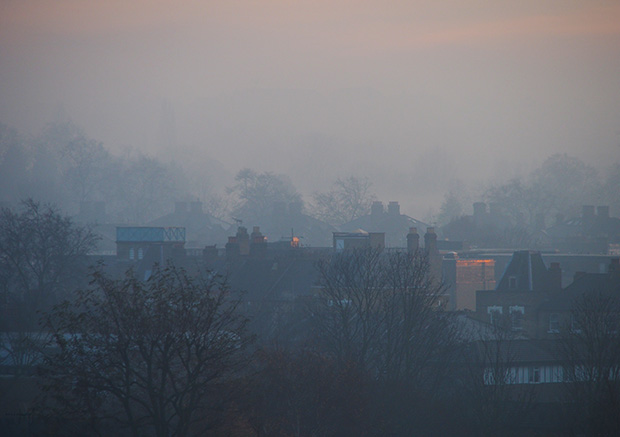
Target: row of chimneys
pixel 430 241
pixel 555 273
pixel 246 244
pixel 377 209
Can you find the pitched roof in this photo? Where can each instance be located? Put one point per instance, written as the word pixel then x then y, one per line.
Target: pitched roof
pixel 525 272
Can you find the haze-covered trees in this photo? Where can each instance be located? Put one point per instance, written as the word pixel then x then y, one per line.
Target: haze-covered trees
pixel 348 199
pixel 42 254
pixel 256 194
pixel 561 185
pixel 64 166
pixel 154 357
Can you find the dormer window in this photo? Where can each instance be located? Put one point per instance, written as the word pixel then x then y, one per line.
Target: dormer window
pixel 512 282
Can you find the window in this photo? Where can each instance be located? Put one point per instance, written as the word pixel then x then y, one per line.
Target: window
pixel 494 313
pixel 132 253
pixel 512 282
pixel 554 323
pixel 339 244
pixel 516 317
pixel 534 375
pixel 140 253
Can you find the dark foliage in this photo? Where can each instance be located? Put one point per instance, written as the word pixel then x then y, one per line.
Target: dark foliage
pixel 154 357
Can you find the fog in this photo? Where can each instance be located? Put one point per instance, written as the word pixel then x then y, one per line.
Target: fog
pixel 411 94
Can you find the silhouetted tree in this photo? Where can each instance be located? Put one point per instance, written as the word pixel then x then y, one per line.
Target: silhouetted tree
pixel 492 402
pixel 42 254
pixel 591 351
pixel 155 357
pixel 348 199
pixel 382 312
pixel 348 313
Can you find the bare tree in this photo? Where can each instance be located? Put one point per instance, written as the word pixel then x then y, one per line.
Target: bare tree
pixel 152 356
pixel 349 315
pixel 416 337
pixel 41 252
pixel 347 200
pixel 382 311
pixel 591 351
pixel 493 401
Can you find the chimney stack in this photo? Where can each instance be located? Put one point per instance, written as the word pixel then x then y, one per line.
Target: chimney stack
pixel 602 211
pixel 393 208
pixel 243 239
pixel 587 211
pixel 376 209
pixel 430 241
pixel 413 241
pixel 209 253
pixel 258 243
pixel 232 248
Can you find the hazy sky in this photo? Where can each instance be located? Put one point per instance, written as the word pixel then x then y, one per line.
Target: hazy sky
pixel 411 93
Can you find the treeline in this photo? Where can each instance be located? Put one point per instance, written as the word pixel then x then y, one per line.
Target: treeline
pixel 61 165
pixel 554 191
